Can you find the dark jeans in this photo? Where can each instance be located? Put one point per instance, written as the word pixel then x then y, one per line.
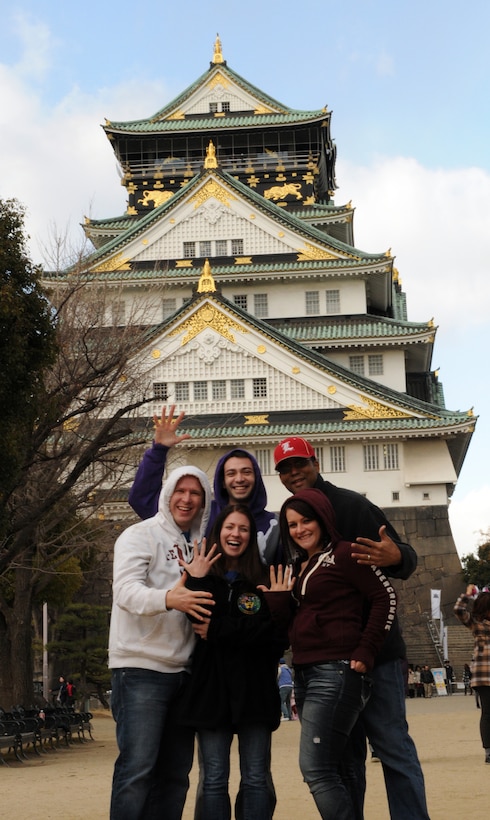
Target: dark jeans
pixel 384 722
pixel 254 752
pixel 285 693
pixel 155 756
pixel 330 697
pixel 484 695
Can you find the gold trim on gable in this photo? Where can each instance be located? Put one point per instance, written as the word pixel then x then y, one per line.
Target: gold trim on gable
pixel 177 115
pixel 373 410
pixel 208 316
pixel 218 79
pixel 312 252
pixel 118 262
pixel 212 189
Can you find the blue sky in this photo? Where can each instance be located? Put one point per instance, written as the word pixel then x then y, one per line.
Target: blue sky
pixel 408 87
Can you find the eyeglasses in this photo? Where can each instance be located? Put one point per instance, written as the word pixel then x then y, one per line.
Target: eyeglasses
pixel 285 467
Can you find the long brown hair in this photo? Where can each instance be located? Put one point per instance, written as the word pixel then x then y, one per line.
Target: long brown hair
pixel 249 565
pixel 481 607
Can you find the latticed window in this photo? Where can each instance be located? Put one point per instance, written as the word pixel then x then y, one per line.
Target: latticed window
pixel 333 301
pixel 181 391
pixel 221 247
pixel 375 364
pixel 241 300
pixel 337 459
pixel 390 456
pixel 259 388
pixel 160 390
pixel 189 250
pixel 219 389
pixel 356 364
pixel 237 247
pixel 371 457
pixel 200 391
pixel 264 461
pixel 205 248
pixel 168 307
pixel 261 305
pixel 237 389
pixel 312 302
pixel 225 105
pixel 213 107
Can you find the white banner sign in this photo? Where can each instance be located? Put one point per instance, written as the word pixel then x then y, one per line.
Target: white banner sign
pixel 435 603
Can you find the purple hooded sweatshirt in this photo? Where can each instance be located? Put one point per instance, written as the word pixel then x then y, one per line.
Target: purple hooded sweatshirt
pixel 147 485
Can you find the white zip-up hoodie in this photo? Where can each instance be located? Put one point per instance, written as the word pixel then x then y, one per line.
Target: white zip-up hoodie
pixel 143 633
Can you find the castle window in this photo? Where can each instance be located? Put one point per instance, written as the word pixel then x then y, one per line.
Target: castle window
pixel 200 391
pixel 168 307
pixel 213 107
pixel 219 389
pixel 118 313
pixel 237 389
pixel 204 248
pixel 375 364
pixel 356 364
pixel 261 305
pixel 236 247
pixel 333 301
pixel 371 457
pixel 240 299
pixel 264 461
pixel 395 496
pixel 337 459
pixel 160 390
pixel 181 391
pixel 312 302
pixel 390 456
pixel 221 247
pixel 225 105
pixel 259 388
pixel 189 250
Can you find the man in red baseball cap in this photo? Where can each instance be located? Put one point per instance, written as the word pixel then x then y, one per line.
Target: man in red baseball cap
pixel 383 721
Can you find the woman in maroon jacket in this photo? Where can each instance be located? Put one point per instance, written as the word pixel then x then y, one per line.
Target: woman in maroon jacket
pixel 340 616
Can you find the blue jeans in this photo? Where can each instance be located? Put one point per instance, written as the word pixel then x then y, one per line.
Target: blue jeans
pixel 254 749
pixel 385 724
pixel 285 693
pixel 151 773
pixel 329 697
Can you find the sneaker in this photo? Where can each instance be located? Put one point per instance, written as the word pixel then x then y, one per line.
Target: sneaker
pixel 487 755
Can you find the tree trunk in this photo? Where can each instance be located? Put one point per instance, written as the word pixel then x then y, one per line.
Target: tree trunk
pixel 16 664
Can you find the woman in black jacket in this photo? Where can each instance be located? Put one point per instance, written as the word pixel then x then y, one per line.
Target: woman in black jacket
pixel 233 686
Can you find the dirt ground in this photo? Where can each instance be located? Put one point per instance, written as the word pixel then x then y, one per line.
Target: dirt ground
pixel 74 783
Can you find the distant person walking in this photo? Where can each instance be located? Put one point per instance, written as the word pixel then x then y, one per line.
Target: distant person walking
pixel 473 611
pixel 427 678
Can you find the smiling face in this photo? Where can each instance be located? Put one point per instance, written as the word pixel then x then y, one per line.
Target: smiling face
pixel 186 501
pixel 234 537
pixel 238 478
pixel 305 532
pixel 298 473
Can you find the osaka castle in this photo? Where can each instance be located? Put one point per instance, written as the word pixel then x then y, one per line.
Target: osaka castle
pixel 266 320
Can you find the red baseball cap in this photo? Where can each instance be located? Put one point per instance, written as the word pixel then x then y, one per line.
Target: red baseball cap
pixel 293 447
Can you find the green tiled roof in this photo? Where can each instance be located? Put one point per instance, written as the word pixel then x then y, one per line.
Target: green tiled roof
pixel 158 122
pixel 365 327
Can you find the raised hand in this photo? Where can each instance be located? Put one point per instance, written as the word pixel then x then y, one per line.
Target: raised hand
pixel 166 427
pixel 282 580
pixel 201 561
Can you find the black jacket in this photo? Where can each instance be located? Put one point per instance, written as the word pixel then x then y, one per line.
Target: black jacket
pixel 234 671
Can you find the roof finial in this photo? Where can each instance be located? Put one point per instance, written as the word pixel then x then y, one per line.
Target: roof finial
pixel 206 282
pixel 218 54
pixel 211 161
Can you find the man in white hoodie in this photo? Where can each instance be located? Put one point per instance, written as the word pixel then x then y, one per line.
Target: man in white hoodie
pixel 150 645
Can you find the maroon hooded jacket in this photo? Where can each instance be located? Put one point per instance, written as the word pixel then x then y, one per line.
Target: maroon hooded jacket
pixel 340 610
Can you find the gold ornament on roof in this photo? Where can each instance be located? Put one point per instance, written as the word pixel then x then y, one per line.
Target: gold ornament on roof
pixel 312 252
pixel 118 262
pixel 262 419
pixel 218 54
pixel 211 161
pixel 371 409
pixel 208 316
pixel 212 189
pixel 206 282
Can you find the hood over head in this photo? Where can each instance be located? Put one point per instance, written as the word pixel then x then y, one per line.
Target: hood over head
pixel 200 522
pixel 258 499
pixel 323 509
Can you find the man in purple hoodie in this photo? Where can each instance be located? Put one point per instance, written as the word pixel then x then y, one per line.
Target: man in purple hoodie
pixel 237 479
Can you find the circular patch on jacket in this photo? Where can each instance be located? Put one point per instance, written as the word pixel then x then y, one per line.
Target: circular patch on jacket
pixel 249 603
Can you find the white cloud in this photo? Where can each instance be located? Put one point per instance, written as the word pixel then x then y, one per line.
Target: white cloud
pixel 470 519
pixel 36 45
